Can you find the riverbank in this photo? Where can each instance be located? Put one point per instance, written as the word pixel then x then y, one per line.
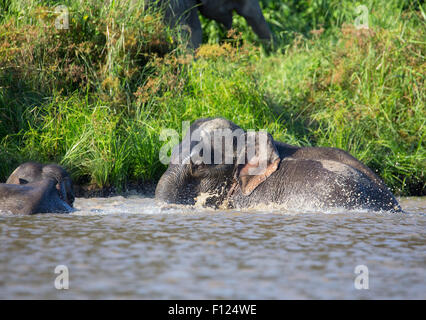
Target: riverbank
pixel 94 191
pixel 96 96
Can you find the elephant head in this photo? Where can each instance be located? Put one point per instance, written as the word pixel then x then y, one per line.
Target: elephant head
pixel 214 158
pixel 31 172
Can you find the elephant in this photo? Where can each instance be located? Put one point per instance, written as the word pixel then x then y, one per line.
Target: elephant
pixel 37 188
pixel 185 13
pixel 266 172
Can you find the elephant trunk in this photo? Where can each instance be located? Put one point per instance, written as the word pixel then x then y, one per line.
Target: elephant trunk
pixel 171 183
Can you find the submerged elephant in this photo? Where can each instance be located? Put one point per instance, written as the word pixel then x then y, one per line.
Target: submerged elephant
pixel 210 166
pixel 184 12
pixel 36 188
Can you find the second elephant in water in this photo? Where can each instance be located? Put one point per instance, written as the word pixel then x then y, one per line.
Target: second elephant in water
pixel 210 166
pixel 185 13
pixel 37 188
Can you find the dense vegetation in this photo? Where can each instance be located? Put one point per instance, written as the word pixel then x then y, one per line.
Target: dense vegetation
pixel 95 97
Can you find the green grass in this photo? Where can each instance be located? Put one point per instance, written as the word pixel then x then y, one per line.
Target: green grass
pixel 96 97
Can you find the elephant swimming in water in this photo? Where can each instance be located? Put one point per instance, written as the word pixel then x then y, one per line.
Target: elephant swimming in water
pixel 36 188
pixel 185 13
pixel 210 166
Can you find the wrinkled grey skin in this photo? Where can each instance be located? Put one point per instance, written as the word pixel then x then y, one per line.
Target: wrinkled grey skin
pixel 36 188
pixel 184 12
pixel 36 197
pixel 309 178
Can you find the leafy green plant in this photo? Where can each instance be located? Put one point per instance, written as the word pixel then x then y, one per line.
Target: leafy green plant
pixel 95 97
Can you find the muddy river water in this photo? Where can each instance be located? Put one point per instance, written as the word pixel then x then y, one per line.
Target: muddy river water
pixel 132 248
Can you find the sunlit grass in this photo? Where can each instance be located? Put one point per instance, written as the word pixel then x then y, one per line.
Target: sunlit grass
pixel 96 97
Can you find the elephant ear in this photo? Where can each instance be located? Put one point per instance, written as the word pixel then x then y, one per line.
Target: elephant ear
pixel 60 186
pixel 258 160
pixel 64 188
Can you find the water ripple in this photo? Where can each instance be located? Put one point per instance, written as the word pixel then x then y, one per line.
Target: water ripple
pixel 132 248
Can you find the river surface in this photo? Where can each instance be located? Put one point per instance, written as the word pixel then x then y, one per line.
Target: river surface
pixel 131 248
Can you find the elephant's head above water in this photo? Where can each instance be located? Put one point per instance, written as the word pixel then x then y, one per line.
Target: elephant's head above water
pixel 213 157
pixel 30 172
